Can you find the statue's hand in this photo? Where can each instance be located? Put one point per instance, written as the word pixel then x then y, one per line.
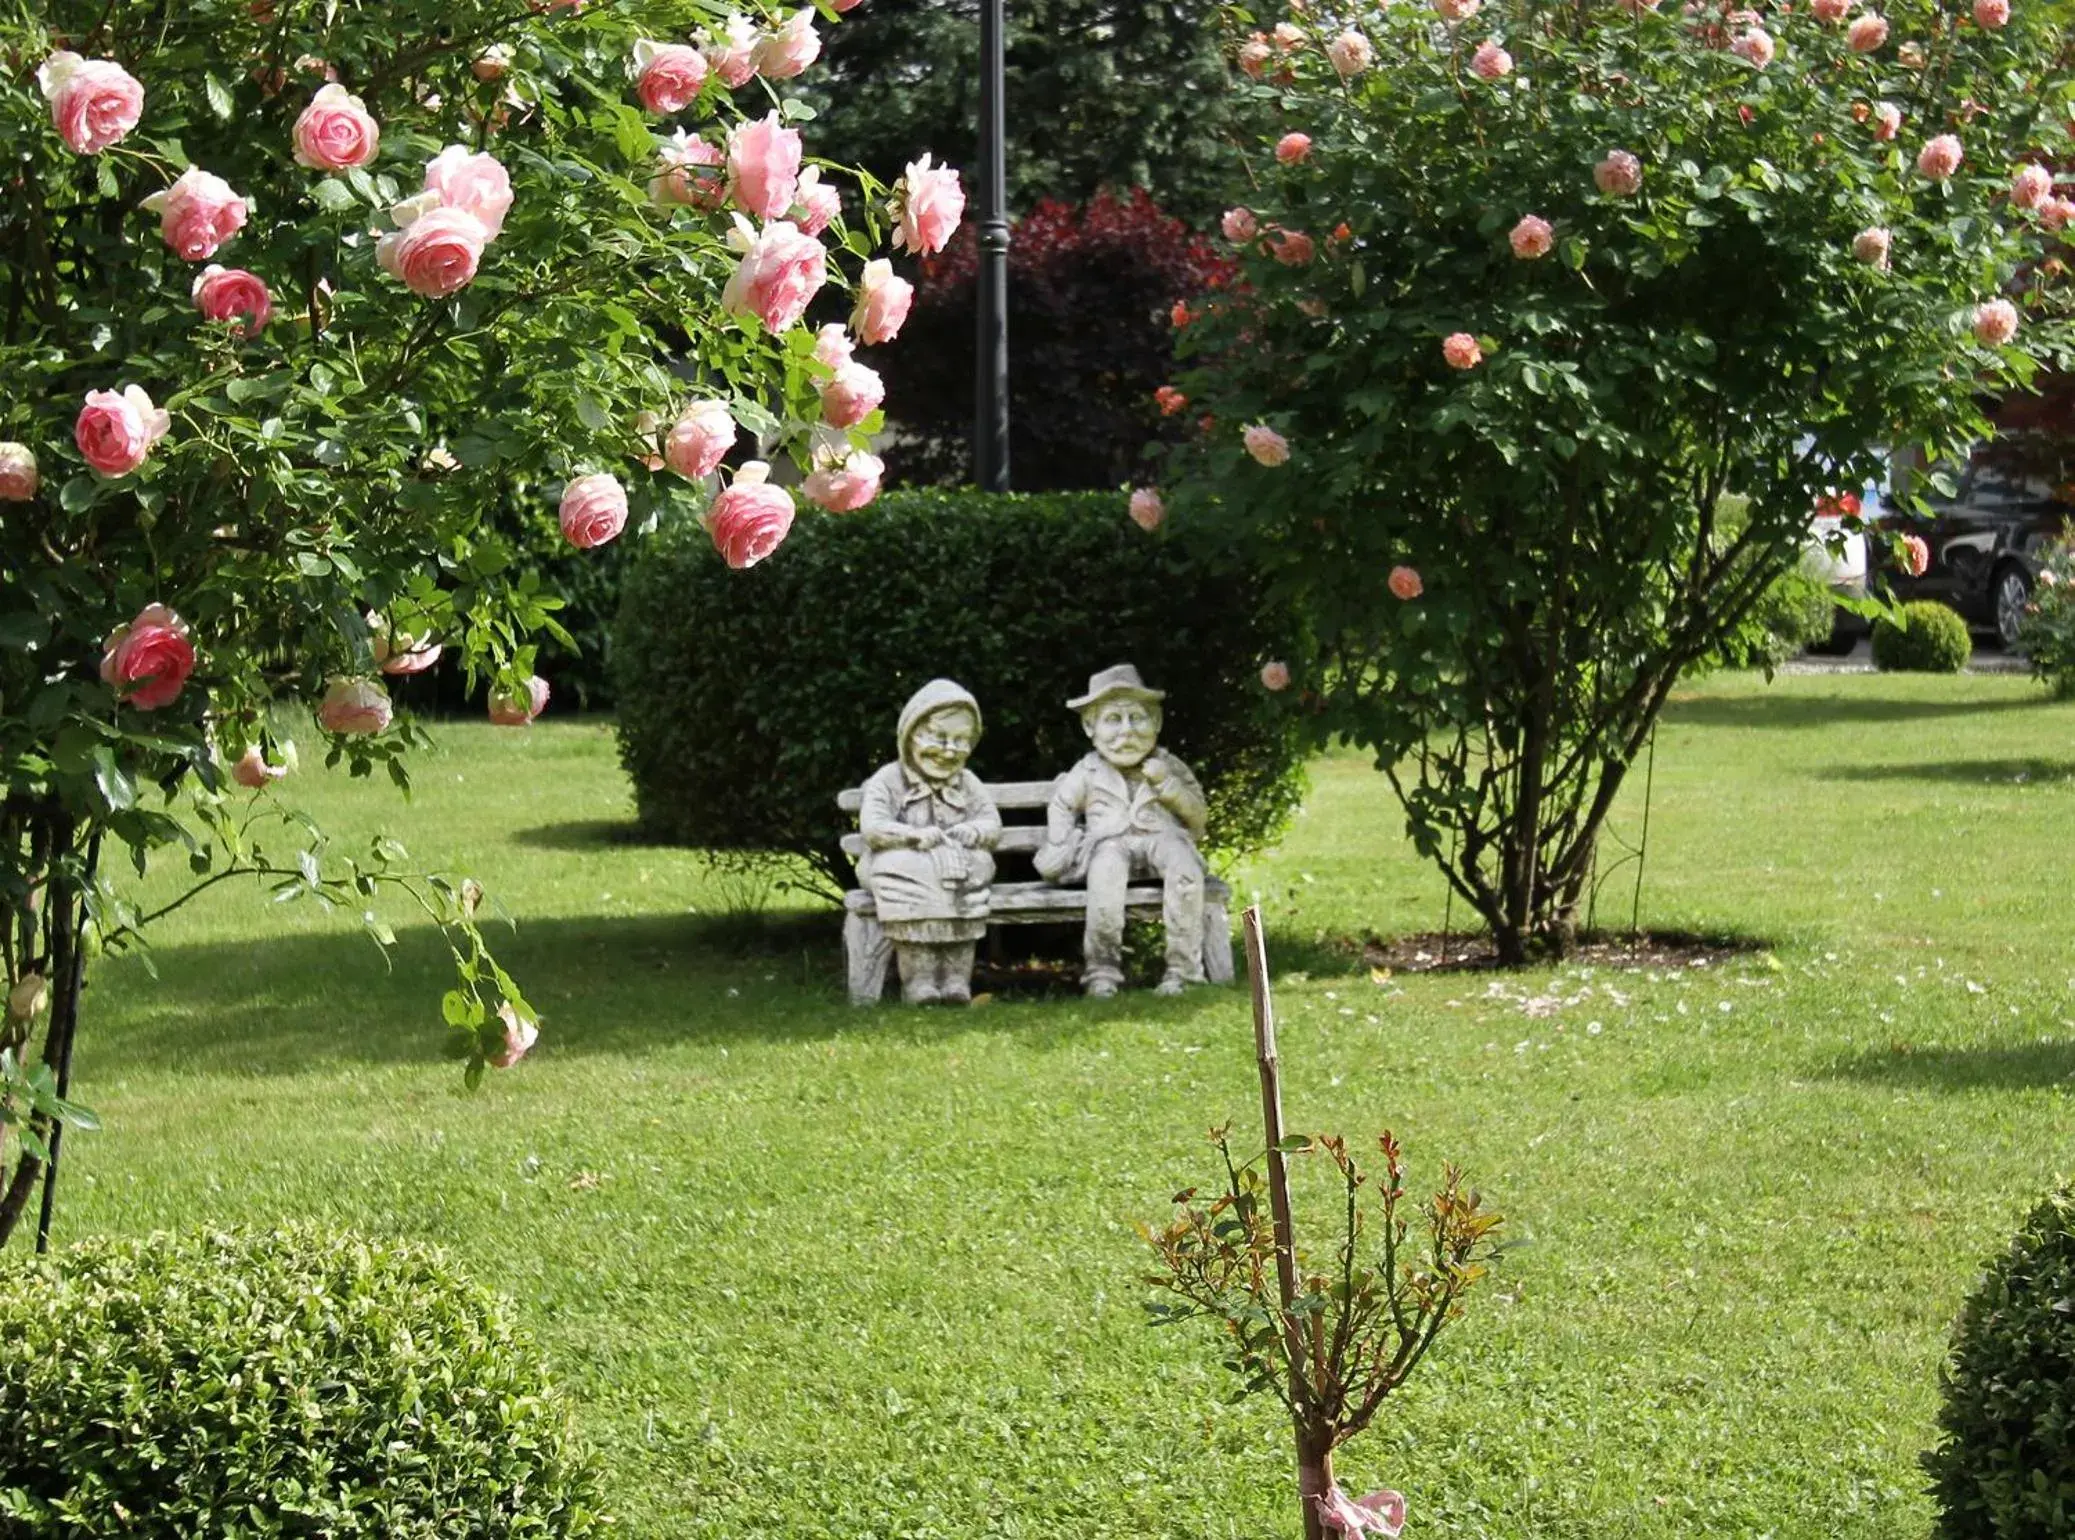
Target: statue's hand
pixel 928 837
pixel 1155 772
pixel 963 834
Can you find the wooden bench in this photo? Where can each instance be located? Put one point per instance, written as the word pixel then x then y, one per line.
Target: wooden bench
pixel 868 952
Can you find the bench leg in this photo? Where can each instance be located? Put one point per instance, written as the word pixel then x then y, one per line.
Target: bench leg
pixel 866 952
pixel 1217 942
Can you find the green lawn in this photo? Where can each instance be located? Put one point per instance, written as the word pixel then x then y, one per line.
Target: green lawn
pixel 815 1272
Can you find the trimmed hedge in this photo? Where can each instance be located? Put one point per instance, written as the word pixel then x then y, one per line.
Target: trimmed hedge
pixel 2004 1468
pixel 1930 638
pixel 291 1383
pixel 747 700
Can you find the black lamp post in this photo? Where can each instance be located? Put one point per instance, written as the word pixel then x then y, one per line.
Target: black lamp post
pixel 991 394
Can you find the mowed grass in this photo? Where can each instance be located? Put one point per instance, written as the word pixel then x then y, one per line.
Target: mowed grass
pixel 811 1272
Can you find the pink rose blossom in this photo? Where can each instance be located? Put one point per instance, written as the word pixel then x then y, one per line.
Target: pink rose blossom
pixel 817 202
pixel 518 705
pixel 1275 676
pixel 750 519
pixel 1240 226
pixel 198 213
pixel 851 395
pixel 1620 175
pixel 1380 1513
pixel 781 271
pixel 1995 323
pixel 1831 12
pixel 1291 149
pixel 2057 213
pixel 474 183
pixel 732 52
pixel 1289 37
pixel 677 179
pixel 1266 445
pixel 1532 238
pixel 93 102
pixel 763 167
pixel 1991 14
pixel 1148 511
pixel 356 708
pixel 2031 187
pixel 1867 33
pixel 520 1034
pixel 832 345
pixel 493 63
pixel 847 484
pixel 1755 47
pixel 253 771
pixel 788 50
pixel 883 300
pixel 336 132
pixel 1405 584
pixel 147 661
pixel 1916 555
pixel 594 510
pixel 1871 247
pixel 1292 248
pixel 1490 61
pixel 700 439
pixel 1350 53
pixel 437 250
pixel 1255 55
pixel 668 76
pixel 1887 121
pixel 232 294
pixel 19 477
pixel 843 6
pixel 399 652
pixel 929 203
pixel 1461 351
pixel 115 432
pixel 1458 10
pixel 1940 157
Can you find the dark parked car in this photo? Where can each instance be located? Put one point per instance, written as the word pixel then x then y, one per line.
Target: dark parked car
pixel 2014 497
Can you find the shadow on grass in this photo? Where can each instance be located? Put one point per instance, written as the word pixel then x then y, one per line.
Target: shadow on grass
pixel 2019 1067
pixel 1964 772
pixel 1793 711
pixel 587 834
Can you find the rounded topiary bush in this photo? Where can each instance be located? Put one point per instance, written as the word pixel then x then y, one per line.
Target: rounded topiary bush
pixel 295 1382
pixel 2004 1468
pixel 1925 638
pixel 748 700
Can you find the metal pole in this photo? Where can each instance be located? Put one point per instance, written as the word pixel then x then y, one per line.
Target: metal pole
pixel 69 955
pixel 991 393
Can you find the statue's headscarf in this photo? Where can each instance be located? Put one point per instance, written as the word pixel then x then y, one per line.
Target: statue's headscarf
pixel 934 696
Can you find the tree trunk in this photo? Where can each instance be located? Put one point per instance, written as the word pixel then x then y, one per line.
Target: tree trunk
pixel 1314 1479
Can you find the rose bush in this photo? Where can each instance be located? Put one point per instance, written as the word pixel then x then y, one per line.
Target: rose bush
pixel 458 264
pixel 1523 323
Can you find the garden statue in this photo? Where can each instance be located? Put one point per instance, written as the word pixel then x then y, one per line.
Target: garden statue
pixel 928 826
pixel 1128 811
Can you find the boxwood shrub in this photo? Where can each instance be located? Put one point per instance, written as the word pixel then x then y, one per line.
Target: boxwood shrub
pixel 1927 638
pixel 294 1382
pixel 748 700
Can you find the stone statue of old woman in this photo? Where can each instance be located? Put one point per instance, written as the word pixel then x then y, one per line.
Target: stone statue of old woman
pixel 929 827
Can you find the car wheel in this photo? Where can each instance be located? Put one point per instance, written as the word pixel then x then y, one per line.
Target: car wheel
pixel 2009 596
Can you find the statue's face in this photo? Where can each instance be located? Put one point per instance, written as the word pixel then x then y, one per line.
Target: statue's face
pixel 1123 730
pixel 943 742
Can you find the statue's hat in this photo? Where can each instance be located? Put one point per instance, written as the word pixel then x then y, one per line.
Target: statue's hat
pixel 1121 680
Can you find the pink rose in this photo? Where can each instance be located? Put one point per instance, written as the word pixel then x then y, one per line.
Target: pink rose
pixel 1291 149
pixel 781 270
pixel 1940 157
pixel 1887 121
pixel 1461 351
pixel 1995 323
pixel 493 63
pixel 1148 512
pixel 93 102
pixel 1405 584
pixel 19 477
pixel 1991 14
pixel 2057 213
pixel 843 6
pixel 1255 55
pixel 1289 37
pixel 851 395
pixel 677 179
pixel 232 294
pixel 667 76
pixel 1458 10
pixel 115 432
pixel 1620 175
pixel 1275 676
pixel 1240 226
pixel 253 771
pixel 817 202
pixel 787 51
pixel 472 182
pixel 400 653
pixel 1292 248
pixel 763 167
pixel 198 213
pixel 700 439
pixel 750 519
pixel 1532 238
pixel 1265 444
pixel 1916 555
pixel 1871 247
pixel 883 299
pixel 354 707
pixel 518 705
pixel 1755 47
pixel 732 52
pixel 2031 187
pixel 336 132
pixel 147 661
pixel 1831 12
pixel 1350 53
pixel 1867 33
pixel 1490 61
pixel 437 250
pixel 1170 401
pixel 929 204
pixel 845 485
pixel 594 510
pixel 833 347
pixel 520 1034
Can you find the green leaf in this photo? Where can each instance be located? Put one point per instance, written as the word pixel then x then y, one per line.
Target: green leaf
pixel 333 196
pixel 219 96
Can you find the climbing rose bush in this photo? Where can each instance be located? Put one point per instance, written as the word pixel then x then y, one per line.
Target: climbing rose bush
pixel 1545 285
pixel 294 296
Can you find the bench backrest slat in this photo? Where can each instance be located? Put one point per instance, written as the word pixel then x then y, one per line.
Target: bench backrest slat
pixel 1009 796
